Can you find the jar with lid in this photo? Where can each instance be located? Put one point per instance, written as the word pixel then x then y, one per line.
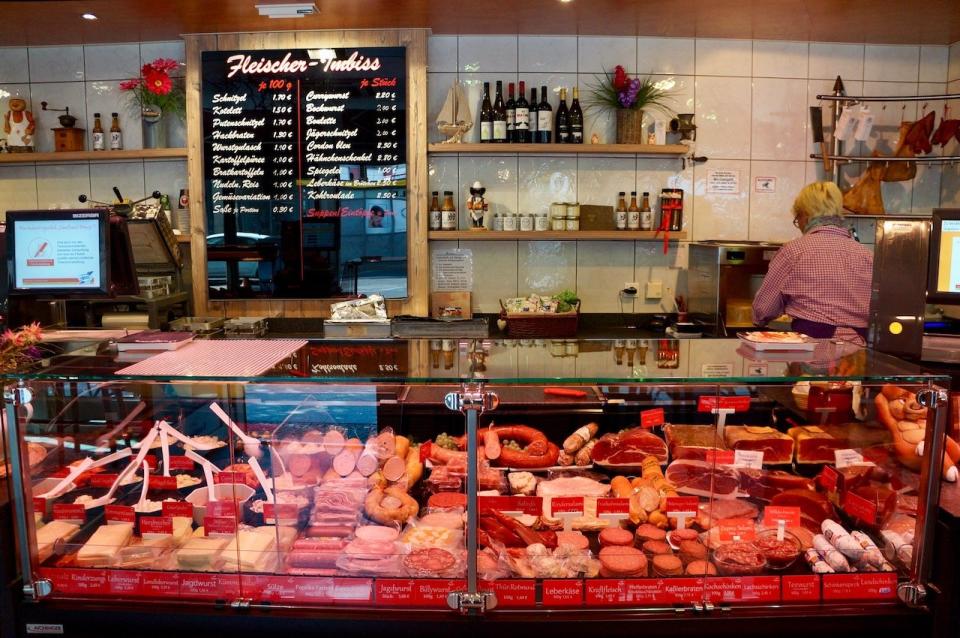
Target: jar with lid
pixel 558 209
pixel 509 222
pixel 572 223
pixel 497 221
pixel 542 222
pixel 526 222
pixel 558 223
pixel 573 210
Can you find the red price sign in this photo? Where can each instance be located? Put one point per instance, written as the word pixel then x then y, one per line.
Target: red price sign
pixel 182 463
pixel 682 505
pixel 613 506
pixel 828 479
pixel 156 525
pixel 229 477
pixel 151 462
pixel 709 403
pixel 652 418
pixel 719 457
pixel 69 512
pixel 566 505
pixel 103 480
pixel 178 508
pixel 773 514
pixel 532 505
pixel 120 514
pixel 163 483
pixel 737 529
pixel 219 525
pixel 282 511
pixel 860 508
pixel 222 509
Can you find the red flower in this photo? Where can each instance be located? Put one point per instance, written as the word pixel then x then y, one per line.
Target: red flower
pixel 157 82
pixel 129 85
pixel 620 79
pixel 164 64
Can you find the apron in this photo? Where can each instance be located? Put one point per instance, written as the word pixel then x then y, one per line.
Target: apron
pixel 819 330
pixel 18 131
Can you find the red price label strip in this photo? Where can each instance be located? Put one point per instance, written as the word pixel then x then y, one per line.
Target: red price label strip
pixel 182 463
pixel 709 403
pixel 532 505
pixel 229 477
pixel 719 457
pixel 156 525
pixel 282 511
pixel 737 529
pixel 860 508
pixel 120 514
pixel 69 512
pixel 222 509
pixel 219 525
pixel 613 506
pixel 652 418
pixel 773 514
pixel 178 508
pixel 163 483
pixel 39 504
pixel 687 505
pixel 828 479
pixel 103 480
pixel 566 505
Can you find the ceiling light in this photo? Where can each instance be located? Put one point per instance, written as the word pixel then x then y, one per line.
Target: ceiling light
pixel 88 16
pixel 287 10
pixel 566 1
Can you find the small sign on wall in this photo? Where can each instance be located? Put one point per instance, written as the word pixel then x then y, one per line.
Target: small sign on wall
pixel 723 181
pixel 765 184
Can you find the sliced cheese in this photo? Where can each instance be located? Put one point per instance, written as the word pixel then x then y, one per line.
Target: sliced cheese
pixel 102 548
pixel 201 553
pixel 49 534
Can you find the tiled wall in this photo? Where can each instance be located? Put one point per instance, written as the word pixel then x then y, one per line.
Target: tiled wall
pixel 750 100
pixel 950 185
pixel 86 79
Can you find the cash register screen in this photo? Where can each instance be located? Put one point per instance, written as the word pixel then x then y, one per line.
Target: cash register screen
pixel 943 283
pixel 61 252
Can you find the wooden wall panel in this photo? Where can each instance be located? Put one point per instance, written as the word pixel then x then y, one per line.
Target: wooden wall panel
pixel 418 257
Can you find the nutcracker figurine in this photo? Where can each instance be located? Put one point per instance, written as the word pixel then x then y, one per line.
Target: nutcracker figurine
pixel 19 126
pixel 477 206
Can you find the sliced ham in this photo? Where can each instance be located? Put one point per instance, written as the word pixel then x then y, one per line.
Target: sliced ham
pixel 629 448
pixel 716 509
pixel 763 485
pixel 704 479
pixel 814 445
pixel 776 446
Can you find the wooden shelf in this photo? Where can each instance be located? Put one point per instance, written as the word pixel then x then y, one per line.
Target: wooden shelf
pixel 569 235
pixel 92 156
pixel 182 239
pixel 669 150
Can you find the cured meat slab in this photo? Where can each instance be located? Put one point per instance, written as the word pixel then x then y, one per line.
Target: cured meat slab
pixel 629 448
pixel 704 479
pixel 776 446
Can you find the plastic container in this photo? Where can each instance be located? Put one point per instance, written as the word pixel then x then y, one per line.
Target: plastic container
pixel 780 554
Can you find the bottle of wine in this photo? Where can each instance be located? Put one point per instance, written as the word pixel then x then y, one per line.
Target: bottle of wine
pixel 576 119
pixel 534 116
pixel 522 117
pixel 511 115
pixel 563 120
pixel 544 118
pixel 486 116
pixel 499 117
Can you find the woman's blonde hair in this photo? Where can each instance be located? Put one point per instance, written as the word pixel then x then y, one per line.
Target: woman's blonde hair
pixel 819 199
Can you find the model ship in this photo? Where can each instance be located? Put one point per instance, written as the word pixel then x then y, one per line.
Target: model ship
pixel 455 118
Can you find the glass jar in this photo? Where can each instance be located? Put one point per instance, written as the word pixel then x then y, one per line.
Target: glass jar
pixel 572 223
pixel 497 221
pixel 558 209
pixel 542 222
pixel 558 223
pixel 526 223
pixel 510 222
pixel 573 210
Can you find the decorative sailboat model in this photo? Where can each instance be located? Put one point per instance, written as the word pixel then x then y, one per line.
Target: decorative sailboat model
pixel 455 118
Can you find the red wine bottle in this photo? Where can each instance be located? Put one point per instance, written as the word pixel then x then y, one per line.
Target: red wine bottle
pixel 544 119
pixel 511 114
pixel 521 130
pixel 563 120
pixel 576 119
pixel 534 117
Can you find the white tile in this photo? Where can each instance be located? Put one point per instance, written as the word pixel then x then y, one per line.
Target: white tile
pixel 497 174
pixel 14 67
pixel 723 117
pixel 442 53
pixel 603 54
pixel 777 59
pixel 602 123
pixel 721 216
pixel 56 64
pixel 891 63
pixel 542 180
pixel 653 265
pixel 59 185
pixel 926 188
pixel 487 54
pixel 599 179
pixel 950 186
pixel 548 54
pixel 828 60
pixel 126 176
pixel 771 218
pixel 953 70
pixel 886 122
pixel 665 56
pixel 173 50
pixel 57 95
pixel 934 61
pixel 168 176
pixel 779 119
pixel 438 85
pixel 443 173
pixel 176 132
pixel 681 93
pixel 603 267
pixel 111 61
pixel 473 88
pixel 724 57
pixel 106 98
pixel 897 196
pixel 18 188
pixel 495 273
pixel 546 267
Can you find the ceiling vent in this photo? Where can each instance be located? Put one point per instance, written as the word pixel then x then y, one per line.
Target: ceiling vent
pixel 288 9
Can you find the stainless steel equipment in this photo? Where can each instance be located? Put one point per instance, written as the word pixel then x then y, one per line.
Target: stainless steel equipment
pixel 724 276
pixel 898 296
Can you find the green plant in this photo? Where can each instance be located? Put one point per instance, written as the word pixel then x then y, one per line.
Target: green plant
pixel 617 90
pixel 566 301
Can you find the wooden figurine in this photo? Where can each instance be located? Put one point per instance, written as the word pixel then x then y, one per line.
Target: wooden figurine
pixel 477 206
pixel 19 126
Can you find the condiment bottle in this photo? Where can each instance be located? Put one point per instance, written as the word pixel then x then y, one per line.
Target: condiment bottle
pixel 448 214
pixel 621 214
pixel 98 141
pixel 633 213
pixel 116 136
pixel 646 215
pixel 435 214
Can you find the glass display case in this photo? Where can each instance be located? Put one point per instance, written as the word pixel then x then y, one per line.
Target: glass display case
pixel 479 476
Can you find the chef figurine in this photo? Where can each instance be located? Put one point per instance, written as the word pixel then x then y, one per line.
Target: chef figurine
pixel 19 126
pixel 477 206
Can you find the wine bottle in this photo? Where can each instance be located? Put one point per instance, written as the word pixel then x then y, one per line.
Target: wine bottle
pixel 576 119
pixel 511 114
pixel 499 117
pixel 521 130
pixel 563 120
pixel 544 118
pixel 534 106
pixel 486 116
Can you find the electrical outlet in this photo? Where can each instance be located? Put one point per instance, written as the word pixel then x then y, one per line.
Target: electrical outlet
pixel 654 290
pixel 631 284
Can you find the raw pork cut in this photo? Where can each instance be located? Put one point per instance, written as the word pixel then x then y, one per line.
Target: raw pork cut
pixel 704 479
pixel 629 448
pixel 776 446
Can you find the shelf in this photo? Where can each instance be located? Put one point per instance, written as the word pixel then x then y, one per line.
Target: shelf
pixel 669 150
pixel 183 239
pixel 92 156
pixel 569 235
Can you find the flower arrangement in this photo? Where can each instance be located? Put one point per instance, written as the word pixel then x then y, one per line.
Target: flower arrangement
pixel 156 90
pixel 618 90
pixel 20 347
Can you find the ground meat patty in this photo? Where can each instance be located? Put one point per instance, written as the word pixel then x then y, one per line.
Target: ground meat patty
pixel 616 536
pixel 648 532
pixel 667 565
pixel 701 568
pixel 655 548
pixel 572 539
pixel 623 561
pixel 428 561
pixel 692 551
pixel 446 500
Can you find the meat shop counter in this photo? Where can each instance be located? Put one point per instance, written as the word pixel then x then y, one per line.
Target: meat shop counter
pixel 257 485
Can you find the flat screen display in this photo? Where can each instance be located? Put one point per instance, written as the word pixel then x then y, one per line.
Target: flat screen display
pixel 58 252
pixel 943 282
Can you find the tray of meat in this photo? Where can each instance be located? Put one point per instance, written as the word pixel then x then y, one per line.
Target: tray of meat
pixel 774 341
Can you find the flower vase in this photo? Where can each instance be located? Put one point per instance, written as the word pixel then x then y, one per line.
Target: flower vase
pixel 630 126
pixel 154 127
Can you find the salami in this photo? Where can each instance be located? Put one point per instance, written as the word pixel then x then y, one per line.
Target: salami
pixel 429 562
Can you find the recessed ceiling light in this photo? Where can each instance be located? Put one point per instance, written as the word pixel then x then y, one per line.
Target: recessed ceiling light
pixel 566 1
pixel 88 16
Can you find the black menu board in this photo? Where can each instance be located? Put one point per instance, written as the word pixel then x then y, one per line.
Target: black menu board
pixel 304 159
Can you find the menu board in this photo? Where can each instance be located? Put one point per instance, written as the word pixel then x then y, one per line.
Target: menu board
pixel 305 172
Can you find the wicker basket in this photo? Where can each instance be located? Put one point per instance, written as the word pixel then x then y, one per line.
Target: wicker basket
pixel 560 325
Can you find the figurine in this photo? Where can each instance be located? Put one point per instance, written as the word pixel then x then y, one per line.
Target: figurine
pixel 477 206
pixel 19 126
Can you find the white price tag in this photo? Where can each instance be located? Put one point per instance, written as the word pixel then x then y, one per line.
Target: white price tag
pixel 848 458
pixel 752 459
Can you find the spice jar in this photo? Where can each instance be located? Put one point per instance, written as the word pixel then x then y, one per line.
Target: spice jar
pixel 497 221
pixel 526 223
pixel 542 222
pixel 509 222
pixel 558 223
pixel 572 223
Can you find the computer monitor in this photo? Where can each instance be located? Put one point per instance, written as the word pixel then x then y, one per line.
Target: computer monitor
pixel 58 253
pixel 943 278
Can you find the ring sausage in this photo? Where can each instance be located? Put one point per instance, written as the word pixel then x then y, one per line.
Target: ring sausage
pixel 539 451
